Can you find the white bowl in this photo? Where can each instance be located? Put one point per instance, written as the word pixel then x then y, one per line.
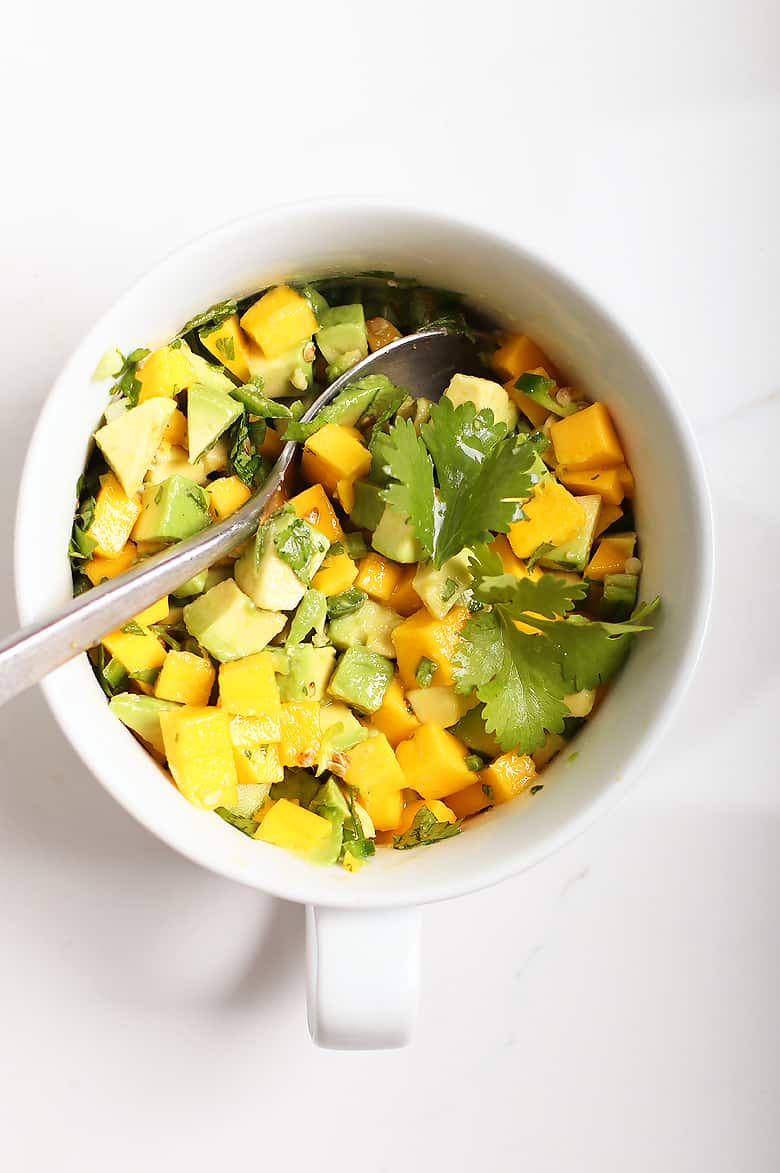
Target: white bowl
pixel 585 340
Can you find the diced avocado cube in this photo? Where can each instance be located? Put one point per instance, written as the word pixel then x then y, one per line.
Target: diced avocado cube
pixel 442 589
pixel 343 329
pixel 619 597
pixel 266 576
pixel 209 414
pixel 361 679
pixel 574 554
pixel 342 364
pixel 332 796
pixel 394 537
pixel 297 784
pixel 308 673
pixel 371 626
pixel 340 727
pixel 251 795
pixel 483 393
pixel 209 375
pixel 315 299
pixel 287 374
pixel 142 715
pixel 228 624
pixel 193 586
pixel 471 730
pixel 174 510
pixel 130 441
pixel 368 507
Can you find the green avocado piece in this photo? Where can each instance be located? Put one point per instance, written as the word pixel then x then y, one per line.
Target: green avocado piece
pixel 371 626
pixel 361 679
pixel 368 507
pixel 394 537
pixel 142 715
pixel 209 375
pixel 130 442
pixel 340 727
pixel 267 578
pixel 308 673
pixel 209 414
pixel 227 623
pixel 574 554
pixel 296 784
pixel 171 511
pixel 331 795
pixel 251 795
pixel 343 329
pixel 471 730
pixel 287 374
pixel 193 586
pixel 442 589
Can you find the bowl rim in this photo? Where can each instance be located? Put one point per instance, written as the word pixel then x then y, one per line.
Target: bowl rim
pixel 492 871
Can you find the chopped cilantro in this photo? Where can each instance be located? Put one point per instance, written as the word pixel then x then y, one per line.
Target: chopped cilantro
pixel 243 459
pixel 473 762
pixel 248 826
pixel 425 829
pixel 127 384
pixel 346 602
pixel 535 789
pixel 226 347
pixel 295 546
pixel 145 675
pixel 449 589
pixel 251 395
pixel 133 628
pixel 542 391
pixel 425 672
pixel 210 319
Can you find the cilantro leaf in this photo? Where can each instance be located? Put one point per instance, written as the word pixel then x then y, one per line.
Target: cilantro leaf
pixel 243 459
pixel 251 395
pixel 248 826
pixel 127 383
pixel 591 652
pixel 425 830
pixel 295 546
pixel 210 319
pixel 310 616
pixel 346 602
pixel 410 466
pixel 425 672
pixel 542 391
pixel 548 595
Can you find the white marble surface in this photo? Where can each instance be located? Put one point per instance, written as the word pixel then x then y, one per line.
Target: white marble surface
pixel 616 1009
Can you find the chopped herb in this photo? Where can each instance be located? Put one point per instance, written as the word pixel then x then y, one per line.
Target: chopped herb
pixel 248 826
pixel 110 673
pixel 473 762
pixel 110 365
pixel 210 319
pixel 355 545
pixel 336 550
pixel 226 347
pixel 573 756
pixel 487 790
pixel 354 839
pixel 542 391
pixel 127 384
pixel 251 395
pixel 539 553
pixel 243 459
pixel 145 675
pixel 346 603
pixel 535 789
pixel 425 672
pixel 295 546
pixel 164 631
pixel 449 589
pixel 425 830
pixel 133 628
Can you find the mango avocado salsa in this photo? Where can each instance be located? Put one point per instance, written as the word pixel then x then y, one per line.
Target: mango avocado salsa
pixel 435 604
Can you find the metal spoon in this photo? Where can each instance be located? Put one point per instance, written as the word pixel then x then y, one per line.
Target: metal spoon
pixel 423 363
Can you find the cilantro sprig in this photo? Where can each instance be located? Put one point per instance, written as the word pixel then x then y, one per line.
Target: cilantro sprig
pixel 425 830
pixel 127 384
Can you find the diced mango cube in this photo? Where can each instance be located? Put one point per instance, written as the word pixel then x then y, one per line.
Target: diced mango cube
pixel 610 557
pixel 175 432
pixel 257 762
pixel 313 505
pixel 248 688
pixel 436 639
pixel 99 569
pixel 185 678
pixel 156 613
pixel 200 755
pixel 470 801
pixel 378 576
pixel 529 407
pixel 337 572
pixel 604 481
pixel 228 344
pixel 516 354
pixel 509 561
pixel 587 439
pixel 345 493
pixel 394 717
pixel 278 320
pixel 136 653
pixel 440 811
pixel 374 770
pixel 608 514
pixel 227 494
pixel 404 598
pixel 164 373
pixel 301 733
pixel 114 517
pixel 626 479
pixel 380 332
pixel 334 454
pixel 552 516
pixel 434 762
pixel 507 776
pixel 294 827
pixel 272 443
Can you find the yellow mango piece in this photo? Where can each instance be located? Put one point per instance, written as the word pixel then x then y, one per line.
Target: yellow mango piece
pixel 380 332
pixel 164 373
pixel 587 439
pixel 529 407
pixel 114 518
pixel 227 494
pixel 374 770
pixel 157 613
pixel 272 443
pixel 185 678
pixel 507 776
pixel 279 320
pixel 228 344
pixel 607 515
pixel 301 733
pixel 200 755
pixel 436 639
pixel 518 353
pixel 294 827
pixel 313 505
pixel 610 557
pixel 257 762
pixel 99 569
pixel 394 717
pixel 247 688
pixel 441 812
pixel 626 479
pixel 469 802
pixel 175 432
pixel 136 653
pixel 509 561
pixel 433 762
pixel 337 572
pixel 604 481
pixel 404 598
pixel 334 454
pixel 552 516
pixel 345 493
pixel 378 577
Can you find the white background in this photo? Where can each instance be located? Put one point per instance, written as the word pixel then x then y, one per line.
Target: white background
pixel 616 1009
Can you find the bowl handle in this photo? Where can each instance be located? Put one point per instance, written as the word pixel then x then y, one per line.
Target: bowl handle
pixel 362 976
